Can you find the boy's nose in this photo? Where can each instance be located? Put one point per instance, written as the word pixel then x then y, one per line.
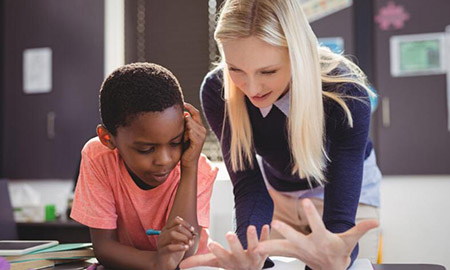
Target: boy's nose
pixel 164 158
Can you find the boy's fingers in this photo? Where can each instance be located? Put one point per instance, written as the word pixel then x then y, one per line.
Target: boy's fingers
pixel 194 112
pixel 175 248
pixel 187 225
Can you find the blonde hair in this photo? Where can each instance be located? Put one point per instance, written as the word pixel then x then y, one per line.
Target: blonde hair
pixel 283 23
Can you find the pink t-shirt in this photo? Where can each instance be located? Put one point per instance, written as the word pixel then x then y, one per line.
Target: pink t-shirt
pixel 106 197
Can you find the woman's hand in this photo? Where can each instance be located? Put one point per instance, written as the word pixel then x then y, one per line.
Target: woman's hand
pixel 321 249
pixel 194 137
pixel 175 239
pixel 237 257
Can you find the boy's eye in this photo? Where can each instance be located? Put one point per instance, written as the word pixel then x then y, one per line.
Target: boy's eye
pixel 146 151
pixel 269 72
pixel 175 144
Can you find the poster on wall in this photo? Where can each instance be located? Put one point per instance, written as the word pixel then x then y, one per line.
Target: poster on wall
pixel 37 70
pixel 447 50
pixel 317 9
pixel 417 55
pixel 336 44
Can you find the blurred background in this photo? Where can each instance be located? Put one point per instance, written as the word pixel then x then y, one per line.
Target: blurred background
pixel 56 53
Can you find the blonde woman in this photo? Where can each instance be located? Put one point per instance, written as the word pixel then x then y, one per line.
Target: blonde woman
pixel 293 121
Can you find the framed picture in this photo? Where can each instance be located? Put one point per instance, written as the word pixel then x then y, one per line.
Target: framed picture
pixel 417 55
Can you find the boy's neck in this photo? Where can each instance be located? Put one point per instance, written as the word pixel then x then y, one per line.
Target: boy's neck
pixel 141 184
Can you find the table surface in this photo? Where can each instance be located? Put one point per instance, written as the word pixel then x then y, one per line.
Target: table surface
pixel 285 264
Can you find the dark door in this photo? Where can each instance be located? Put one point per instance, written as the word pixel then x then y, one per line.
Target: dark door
pixel 412 134
pixel 44 133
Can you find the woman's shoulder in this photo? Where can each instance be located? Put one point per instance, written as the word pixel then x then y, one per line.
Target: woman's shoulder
pixel 213 80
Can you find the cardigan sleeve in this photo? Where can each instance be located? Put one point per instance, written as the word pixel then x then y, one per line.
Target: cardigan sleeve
pixel 346 153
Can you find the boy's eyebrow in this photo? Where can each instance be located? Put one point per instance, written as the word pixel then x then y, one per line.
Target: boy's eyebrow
pixel 149 143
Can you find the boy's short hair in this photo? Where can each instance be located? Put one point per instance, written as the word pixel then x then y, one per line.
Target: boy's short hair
pixel 137 88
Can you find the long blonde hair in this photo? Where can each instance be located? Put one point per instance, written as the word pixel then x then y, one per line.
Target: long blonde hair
pixel 283 23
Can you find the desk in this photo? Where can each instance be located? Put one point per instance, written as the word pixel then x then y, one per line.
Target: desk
pixel 287 264
pixel 64 231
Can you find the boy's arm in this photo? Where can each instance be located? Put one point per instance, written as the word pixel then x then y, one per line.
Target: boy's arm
pixel 185 202
pixel 172 245
pixel 111 254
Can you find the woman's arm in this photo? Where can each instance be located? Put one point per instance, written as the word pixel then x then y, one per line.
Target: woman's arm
pixel 347 148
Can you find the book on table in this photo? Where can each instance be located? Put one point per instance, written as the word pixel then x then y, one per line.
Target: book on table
pixel 62 253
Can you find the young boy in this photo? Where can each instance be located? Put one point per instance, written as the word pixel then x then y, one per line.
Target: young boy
pixel 145 171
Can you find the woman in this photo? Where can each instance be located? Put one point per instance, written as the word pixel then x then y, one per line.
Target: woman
pixel 293 121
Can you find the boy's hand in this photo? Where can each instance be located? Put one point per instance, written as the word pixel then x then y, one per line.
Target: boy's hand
pixel 175 239
pixel 194 137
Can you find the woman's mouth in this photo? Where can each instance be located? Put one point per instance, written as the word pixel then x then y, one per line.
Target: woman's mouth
pixel 261 97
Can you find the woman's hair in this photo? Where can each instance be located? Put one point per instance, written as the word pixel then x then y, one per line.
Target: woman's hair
pixel 283 23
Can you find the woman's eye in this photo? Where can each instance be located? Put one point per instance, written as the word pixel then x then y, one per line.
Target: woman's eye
pixel 234 69
pixel 269 72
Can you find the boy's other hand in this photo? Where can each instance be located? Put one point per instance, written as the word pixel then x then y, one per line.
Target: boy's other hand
pixel 175 239
pixel 194 137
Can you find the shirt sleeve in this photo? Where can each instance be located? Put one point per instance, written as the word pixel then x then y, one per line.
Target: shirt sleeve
pixel 93 204
pixel 207 173
pixel 253 204
pixel 346 152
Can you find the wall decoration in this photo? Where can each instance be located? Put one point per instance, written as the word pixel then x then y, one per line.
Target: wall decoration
pixel 317 9
pixel 392 16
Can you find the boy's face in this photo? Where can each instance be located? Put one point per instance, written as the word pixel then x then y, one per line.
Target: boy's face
pixel 151 145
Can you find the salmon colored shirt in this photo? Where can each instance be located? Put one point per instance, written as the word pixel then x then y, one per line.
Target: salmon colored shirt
pixel 106 197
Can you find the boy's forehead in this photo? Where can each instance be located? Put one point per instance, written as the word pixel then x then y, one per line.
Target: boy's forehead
pixel 154 126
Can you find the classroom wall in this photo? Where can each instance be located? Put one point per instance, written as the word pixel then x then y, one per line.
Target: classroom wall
pixel 414 214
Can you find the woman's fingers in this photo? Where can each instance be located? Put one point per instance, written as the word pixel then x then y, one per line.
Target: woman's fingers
pixel 352 236
pixel 313 217
pixel 252 237
pixel 277 247
pixel 290 233
pixel 265 233
pixel 200 260
pixel 235 247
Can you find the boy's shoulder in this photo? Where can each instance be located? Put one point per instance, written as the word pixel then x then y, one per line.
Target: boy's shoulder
pixel 94 148
pixel 206 169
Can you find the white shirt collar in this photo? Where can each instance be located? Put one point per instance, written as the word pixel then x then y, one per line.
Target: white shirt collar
pixel 282 104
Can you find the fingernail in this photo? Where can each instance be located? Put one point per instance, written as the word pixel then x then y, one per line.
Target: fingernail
pixel 186 247
pixel 192 229
pixel 191 242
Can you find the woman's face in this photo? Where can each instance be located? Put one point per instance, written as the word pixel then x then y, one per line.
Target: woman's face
pixel 258 69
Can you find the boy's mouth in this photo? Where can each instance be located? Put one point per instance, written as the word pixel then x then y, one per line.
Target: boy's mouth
pixel 161 177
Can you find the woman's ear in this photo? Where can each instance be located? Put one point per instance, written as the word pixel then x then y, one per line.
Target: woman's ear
pixel 105 137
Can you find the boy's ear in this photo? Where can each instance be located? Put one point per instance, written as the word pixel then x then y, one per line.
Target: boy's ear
pixel 105 137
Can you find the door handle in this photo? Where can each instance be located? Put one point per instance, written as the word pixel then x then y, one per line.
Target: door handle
pixel 386 112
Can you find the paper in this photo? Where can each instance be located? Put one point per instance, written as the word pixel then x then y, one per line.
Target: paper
pixel 336 44
pixel 317 9
pixel 447 50
pixel 37 70
pixel 417 55
pixel 285 263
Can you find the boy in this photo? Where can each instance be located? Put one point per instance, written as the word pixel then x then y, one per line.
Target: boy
pixel 144 171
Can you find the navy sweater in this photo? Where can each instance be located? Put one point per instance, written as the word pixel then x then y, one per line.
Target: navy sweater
pixel 347 149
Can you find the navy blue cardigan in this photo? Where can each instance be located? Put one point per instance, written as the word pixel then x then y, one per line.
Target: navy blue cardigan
pixel 347 149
